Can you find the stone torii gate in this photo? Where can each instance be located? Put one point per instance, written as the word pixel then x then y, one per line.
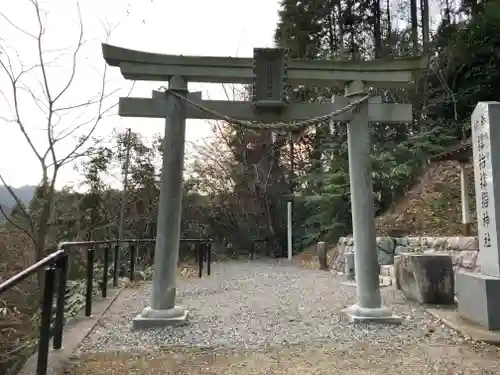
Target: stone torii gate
pixel 269 71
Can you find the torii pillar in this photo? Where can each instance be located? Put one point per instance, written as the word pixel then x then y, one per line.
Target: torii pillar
pixel 368 307
pixel 163 310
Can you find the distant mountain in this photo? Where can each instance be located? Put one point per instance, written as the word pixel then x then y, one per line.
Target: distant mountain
pixel 24 193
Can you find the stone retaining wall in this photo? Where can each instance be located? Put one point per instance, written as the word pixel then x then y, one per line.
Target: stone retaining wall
pixel 463 250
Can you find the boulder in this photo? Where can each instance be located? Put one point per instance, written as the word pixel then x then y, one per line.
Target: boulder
pixel 426 278
pixel 467 259
pixel 452 243
pixel 468 243
pixel 426 242
pixel 413 241
pixel 400 249
pixel 402 241
pixel 385 250
pixel 463 250
pixel 439 243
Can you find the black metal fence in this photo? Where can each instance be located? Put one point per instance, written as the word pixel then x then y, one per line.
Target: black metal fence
pixel 202 250
pixel 255 243
pixel 54 271
pixel 203 254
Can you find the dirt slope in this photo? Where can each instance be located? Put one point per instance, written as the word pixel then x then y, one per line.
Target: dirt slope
pixel 432 207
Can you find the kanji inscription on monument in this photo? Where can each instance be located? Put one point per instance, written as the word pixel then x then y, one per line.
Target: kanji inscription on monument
pixel 485 124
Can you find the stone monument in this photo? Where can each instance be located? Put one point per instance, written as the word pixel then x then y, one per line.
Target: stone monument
pixel 479 293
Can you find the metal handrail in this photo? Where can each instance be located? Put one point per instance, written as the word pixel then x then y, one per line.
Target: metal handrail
pixel 17 278
pixel 105 242
pixel 203 251
pixel 255 242
pixel 55 266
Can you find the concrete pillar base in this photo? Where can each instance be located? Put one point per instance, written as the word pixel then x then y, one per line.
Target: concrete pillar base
pixel 150 318
pixel 364 315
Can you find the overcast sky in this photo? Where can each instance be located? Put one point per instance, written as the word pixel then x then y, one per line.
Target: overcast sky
pixel 189 27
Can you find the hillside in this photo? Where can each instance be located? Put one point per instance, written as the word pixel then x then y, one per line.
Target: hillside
pixel 432 206
pixel 4 209
pixel 24 193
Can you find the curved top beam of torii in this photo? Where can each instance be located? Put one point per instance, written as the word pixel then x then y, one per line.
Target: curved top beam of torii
pixel 147 66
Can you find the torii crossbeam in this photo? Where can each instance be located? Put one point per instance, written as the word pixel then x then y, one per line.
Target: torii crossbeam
pixel 269 72
pixel 155 108
pixel 146 66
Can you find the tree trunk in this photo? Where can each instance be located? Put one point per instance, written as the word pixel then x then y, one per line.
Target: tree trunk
pixel 414 26
pixel 340 22
pixel 389 28
pixel 424 5
pixel 45 194
pixel 377 31
pixel 424 8
pixel 332 37
pixel 447 12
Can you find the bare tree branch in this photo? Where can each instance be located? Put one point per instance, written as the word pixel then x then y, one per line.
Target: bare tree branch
pixel 57 118
pixel 8 69
pixel 19 204
pixel 101 114
pixel 11 222
pixel 39 37
pixel 75 55
pixel 71 129
pixel 17 27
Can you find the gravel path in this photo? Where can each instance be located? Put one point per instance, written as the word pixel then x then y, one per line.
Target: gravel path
pixel 264 309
